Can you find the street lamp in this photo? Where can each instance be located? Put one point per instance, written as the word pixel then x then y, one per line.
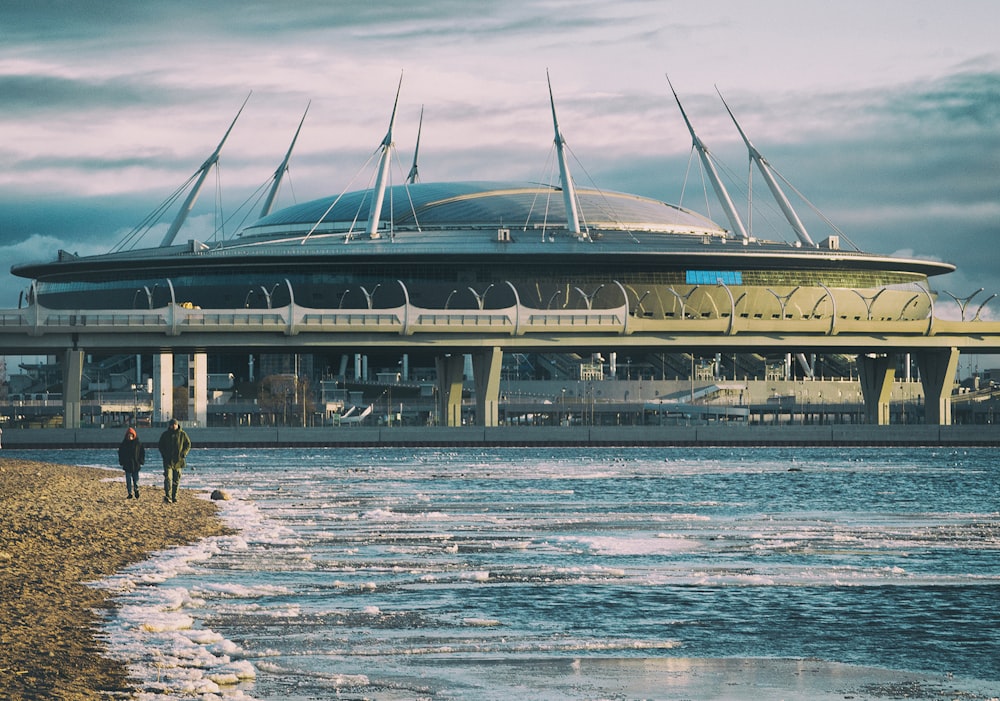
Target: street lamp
pixel 267 295
pixel 369 295
pixel 264 291
pixel 149 295
pixel 589 299
pixel 481 298
pixel 638 304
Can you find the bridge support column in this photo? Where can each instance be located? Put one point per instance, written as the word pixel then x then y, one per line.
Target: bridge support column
pixel 72 386
pixel 163 388
pixel 198 389
pixel 937 375
pixel 877 373
pixel 360 367
pixel 449 379
pixel 486 371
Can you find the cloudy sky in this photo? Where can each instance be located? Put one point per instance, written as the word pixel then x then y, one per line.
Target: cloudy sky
pixel 884 114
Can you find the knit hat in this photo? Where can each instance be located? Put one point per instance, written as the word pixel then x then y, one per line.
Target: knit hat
pixel 130 433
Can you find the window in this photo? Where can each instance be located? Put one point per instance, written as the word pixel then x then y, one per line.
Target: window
pixel 714 277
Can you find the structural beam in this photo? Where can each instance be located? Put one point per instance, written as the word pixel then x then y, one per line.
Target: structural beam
pixel 382 174
pixel 163 387
pixel 72 386
pixel 198 389
pixel 877 373
pixel 449 379
pixel 565 178
pixel 779 195
pixel 713 175
pixel 201 174
pixel 279 174
pixel 486 372
pixel 937 375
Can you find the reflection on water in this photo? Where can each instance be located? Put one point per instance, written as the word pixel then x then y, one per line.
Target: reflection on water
pixel 396 573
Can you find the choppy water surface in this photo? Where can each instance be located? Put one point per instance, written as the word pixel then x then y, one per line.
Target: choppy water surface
pixel 404 573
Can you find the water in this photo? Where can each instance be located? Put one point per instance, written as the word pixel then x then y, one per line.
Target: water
pixel 392 573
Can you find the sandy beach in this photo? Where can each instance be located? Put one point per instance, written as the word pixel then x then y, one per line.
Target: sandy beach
pixel 61 527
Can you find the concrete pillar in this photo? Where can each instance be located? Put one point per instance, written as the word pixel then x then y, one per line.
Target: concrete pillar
pixel 72 386
pixel 876 373
pixel 449 381
pixel 163 388
pixel 360 367
pixel 486 372
pixel 198 389
pixel 937 376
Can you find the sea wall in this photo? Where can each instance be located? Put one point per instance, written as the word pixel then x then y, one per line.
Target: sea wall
pixel 358 436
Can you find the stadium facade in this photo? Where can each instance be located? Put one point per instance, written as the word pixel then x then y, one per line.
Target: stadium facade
pixel 482 246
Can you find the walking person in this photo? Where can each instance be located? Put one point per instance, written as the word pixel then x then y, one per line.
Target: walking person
pixel 131 456
pixel 174 446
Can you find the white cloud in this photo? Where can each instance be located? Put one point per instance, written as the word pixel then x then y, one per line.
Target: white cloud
pixel 872 109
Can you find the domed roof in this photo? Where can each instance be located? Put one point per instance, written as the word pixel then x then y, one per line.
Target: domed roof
pixel 484 205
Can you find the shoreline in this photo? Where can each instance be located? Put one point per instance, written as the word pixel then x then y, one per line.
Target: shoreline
pixel 707 436
pixel 62 527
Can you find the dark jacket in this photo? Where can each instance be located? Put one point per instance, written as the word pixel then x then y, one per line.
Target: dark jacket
pixel 131 454
pixel 174 446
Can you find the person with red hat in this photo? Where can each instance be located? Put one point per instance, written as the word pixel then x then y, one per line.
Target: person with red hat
pixel 131 456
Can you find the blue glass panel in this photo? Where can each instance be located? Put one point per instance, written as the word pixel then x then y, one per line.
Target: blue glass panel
pixel 714 277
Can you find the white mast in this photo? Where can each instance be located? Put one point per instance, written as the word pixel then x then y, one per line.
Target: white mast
pixel 720 189
pixel 569 192
pixel 282 169
pixel 383 173
pixel 192 197
pixel 414 176
pixel 772 184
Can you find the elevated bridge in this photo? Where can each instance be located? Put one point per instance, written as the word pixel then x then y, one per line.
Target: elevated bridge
pixel 486 334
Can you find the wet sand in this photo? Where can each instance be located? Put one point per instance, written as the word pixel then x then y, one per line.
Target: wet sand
pixel 61 527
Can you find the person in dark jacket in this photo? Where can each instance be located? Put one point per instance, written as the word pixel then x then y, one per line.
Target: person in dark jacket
pixel 131 456
pixel 174 446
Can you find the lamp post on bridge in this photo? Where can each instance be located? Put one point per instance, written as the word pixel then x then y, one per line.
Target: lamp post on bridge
pixel 368 295
pixel 481 298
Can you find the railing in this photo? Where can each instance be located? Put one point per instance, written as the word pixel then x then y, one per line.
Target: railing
pixel 406 320
pixel 291 319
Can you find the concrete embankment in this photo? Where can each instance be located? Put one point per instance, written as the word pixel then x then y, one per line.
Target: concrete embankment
pixel 470 436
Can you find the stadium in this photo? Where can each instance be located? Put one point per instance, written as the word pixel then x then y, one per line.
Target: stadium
pixel 472 248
